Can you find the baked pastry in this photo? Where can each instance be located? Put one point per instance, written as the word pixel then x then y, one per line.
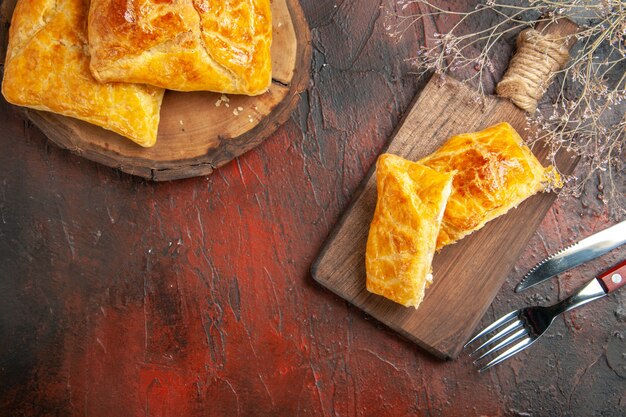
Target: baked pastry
pixel 402 237
pixel 186 45
pixel 47 68
pixel 494 172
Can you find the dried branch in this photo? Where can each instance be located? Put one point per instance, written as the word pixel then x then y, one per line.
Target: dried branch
pixel 583 112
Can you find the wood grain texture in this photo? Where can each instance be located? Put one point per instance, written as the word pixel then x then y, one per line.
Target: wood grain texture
pixel 126 297
pixel 195 135
pixel 468 274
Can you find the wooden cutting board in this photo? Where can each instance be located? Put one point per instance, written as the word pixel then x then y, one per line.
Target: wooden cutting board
pixel 195 136
pixel 468 274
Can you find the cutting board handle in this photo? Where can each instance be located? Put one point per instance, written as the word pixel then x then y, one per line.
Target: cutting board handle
pixel 541 53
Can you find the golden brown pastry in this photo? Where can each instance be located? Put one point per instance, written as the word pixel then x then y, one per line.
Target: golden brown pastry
pixel 494 172
pixel 403 233
pixel 186 45
pixel 47 68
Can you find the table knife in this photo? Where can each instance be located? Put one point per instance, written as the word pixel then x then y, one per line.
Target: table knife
pixel 585 250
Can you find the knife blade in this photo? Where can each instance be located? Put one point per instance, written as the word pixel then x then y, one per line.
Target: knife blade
pixel 567 258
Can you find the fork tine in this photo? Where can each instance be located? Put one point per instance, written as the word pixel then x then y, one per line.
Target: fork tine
pixel 513 338
pixel 510 352
pixel 502 333
pixel 495 324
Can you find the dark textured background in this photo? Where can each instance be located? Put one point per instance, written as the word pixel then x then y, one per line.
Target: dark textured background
pixel 121 297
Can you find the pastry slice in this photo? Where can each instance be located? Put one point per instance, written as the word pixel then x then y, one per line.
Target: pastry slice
pixel 402 237
pixel 186 45
pixel 495 172
pixel 47 68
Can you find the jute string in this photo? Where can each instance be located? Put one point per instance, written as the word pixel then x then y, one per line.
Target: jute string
pixel 532 67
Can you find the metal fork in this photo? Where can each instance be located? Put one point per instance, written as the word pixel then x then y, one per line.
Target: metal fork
pixel 521 328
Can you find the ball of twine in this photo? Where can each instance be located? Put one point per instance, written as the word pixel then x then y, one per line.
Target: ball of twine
pixel 537 58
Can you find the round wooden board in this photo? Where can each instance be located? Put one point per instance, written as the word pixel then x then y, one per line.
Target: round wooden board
pixel 195 135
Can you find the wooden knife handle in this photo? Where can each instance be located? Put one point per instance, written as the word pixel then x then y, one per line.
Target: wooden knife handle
pixel 614 278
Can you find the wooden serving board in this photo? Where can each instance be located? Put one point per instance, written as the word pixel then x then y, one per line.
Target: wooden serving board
pixel 468 274
pixel 196 136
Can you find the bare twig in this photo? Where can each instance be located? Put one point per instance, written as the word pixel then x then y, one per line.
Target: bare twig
pixel 585 112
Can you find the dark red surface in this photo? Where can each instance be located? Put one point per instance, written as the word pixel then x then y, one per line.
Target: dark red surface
pixel 121 297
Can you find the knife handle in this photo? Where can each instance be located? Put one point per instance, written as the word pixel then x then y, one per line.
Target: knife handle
pixel 614 278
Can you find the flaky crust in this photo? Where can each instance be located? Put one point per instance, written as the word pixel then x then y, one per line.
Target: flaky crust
pixel 186 45
pixel 47 68
pixel 402 237
pixel 494 172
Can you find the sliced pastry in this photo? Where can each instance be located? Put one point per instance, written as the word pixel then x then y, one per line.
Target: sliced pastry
pixel 47 68
pixel 403 233
pixel 186 45
pixel 494 172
